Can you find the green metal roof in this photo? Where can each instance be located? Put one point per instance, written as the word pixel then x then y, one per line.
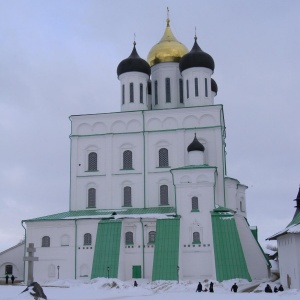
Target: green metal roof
pixel 229 256
pixel 107 249
pixel 295 221
pixel 166 251
pixel 103 213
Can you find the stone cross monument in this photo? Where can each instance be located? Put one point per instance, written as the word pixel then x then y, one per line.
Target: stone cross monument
pixel 30 258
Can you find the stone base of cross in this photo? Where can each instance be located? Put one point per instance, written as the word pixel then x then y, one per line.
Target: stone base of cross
pixel 30 258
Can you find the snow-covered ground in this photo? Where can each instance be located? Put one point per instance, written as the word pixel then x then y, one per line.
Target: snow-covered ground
pixel 102 288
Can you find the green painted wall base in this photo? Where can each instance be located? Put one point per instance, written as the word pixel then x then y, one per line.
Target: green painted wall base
pixel 107 249
pixel 166 251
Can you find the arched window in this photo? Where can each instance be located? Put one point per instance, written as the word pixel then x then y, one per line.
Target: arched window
pixel 87 239
pixel 92 161
pixel 187 89
pixel 163 157
pixel 92 198
pixel 123 93
pixel 195 205
pixel 128 238
pixel 196 238
pixel 155 92
pixel 45 241
pixel 152 235
pixel 127 196
pixel 164 197
pixel 127 160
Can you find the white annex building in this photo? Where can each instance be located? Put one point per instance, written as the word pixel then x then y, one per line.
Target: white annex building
pixel 149 194
pixel 288 242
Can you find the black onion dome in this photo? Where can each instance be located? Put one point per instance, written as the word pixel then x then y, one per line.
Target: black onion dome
pixel 214 86
pixel 133 64
pixel 196 58
pixel 195 145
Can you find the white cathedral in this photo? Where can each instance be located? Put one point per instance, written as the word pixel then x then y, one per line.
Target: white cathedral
pixel 149 193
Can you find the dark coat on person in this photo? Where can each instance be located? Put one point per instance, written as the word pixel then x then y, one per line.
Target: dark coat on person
pixel 6 279
pixel 36 291
pixel 268 289
pixel 12 279
pixel 135 284
pixel 199 287
pixel 211 287
pixel 234 288
pixel 280 288
pixel 275 289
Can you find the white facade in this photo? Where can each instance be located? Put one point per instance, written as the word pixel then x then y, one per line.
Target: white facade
pixel 133 166
pixel 12 258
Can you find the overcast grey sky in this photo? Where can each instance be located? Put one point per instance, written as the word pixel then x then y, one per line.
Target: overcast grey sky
pixel 59 58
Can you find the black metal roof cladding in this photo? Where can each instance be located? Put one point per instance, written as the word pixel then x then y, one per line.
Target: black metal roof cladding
pixel 195 145
pixel 196 58
pixel 134 63
pixel 214 86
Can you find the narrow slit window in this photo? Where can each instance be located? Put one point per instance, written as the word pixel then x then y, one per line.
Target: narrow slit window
pixel 206 91
pixel 131 96
pixel 123 93
pixel 155 92
pixel 141 93
pixel 187 89
pixel 196 88
pixel 181 90
pixel 168 90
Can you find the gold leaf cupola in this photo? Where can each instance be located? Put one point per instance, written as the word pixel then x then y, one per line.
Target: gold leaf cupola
pixel 168 49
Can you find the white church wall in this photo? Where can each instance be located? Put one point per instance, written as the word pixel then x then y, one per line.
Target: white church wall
pixel 231 187
pixel 14 257
pixel 201 74
pixel 58 254
pixel 288 256
pixel 255 259
pixel 159 73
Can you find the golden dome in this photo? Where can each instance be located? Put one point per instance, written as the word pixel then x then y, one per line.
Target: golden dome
pixel 168 49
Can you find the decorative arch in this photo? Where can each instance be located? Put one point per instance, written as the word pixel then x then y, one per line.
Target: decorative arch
pixel 170 123
pixel 134 125
pixel 190 121
pixel 154 124
pixel 207 120
pixel 99 128
pixel 118 126
pixel 84 128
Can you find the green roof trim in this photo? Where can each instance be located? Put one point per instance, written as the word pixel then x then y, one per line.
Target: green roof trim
pixel 107 249
pixel 103 213
pixel 229 256
pixel 195 167
pixel 166 251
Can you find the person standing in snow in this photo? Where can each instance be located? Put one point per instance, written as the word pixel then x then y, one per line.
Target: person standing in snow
pixel 135 284
pixel 12 278
pixel 199 287
pixel 268 289
pixel 211 287
pixel 6 279
pixel 275 289
pixel 234 288
pixel 281 288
